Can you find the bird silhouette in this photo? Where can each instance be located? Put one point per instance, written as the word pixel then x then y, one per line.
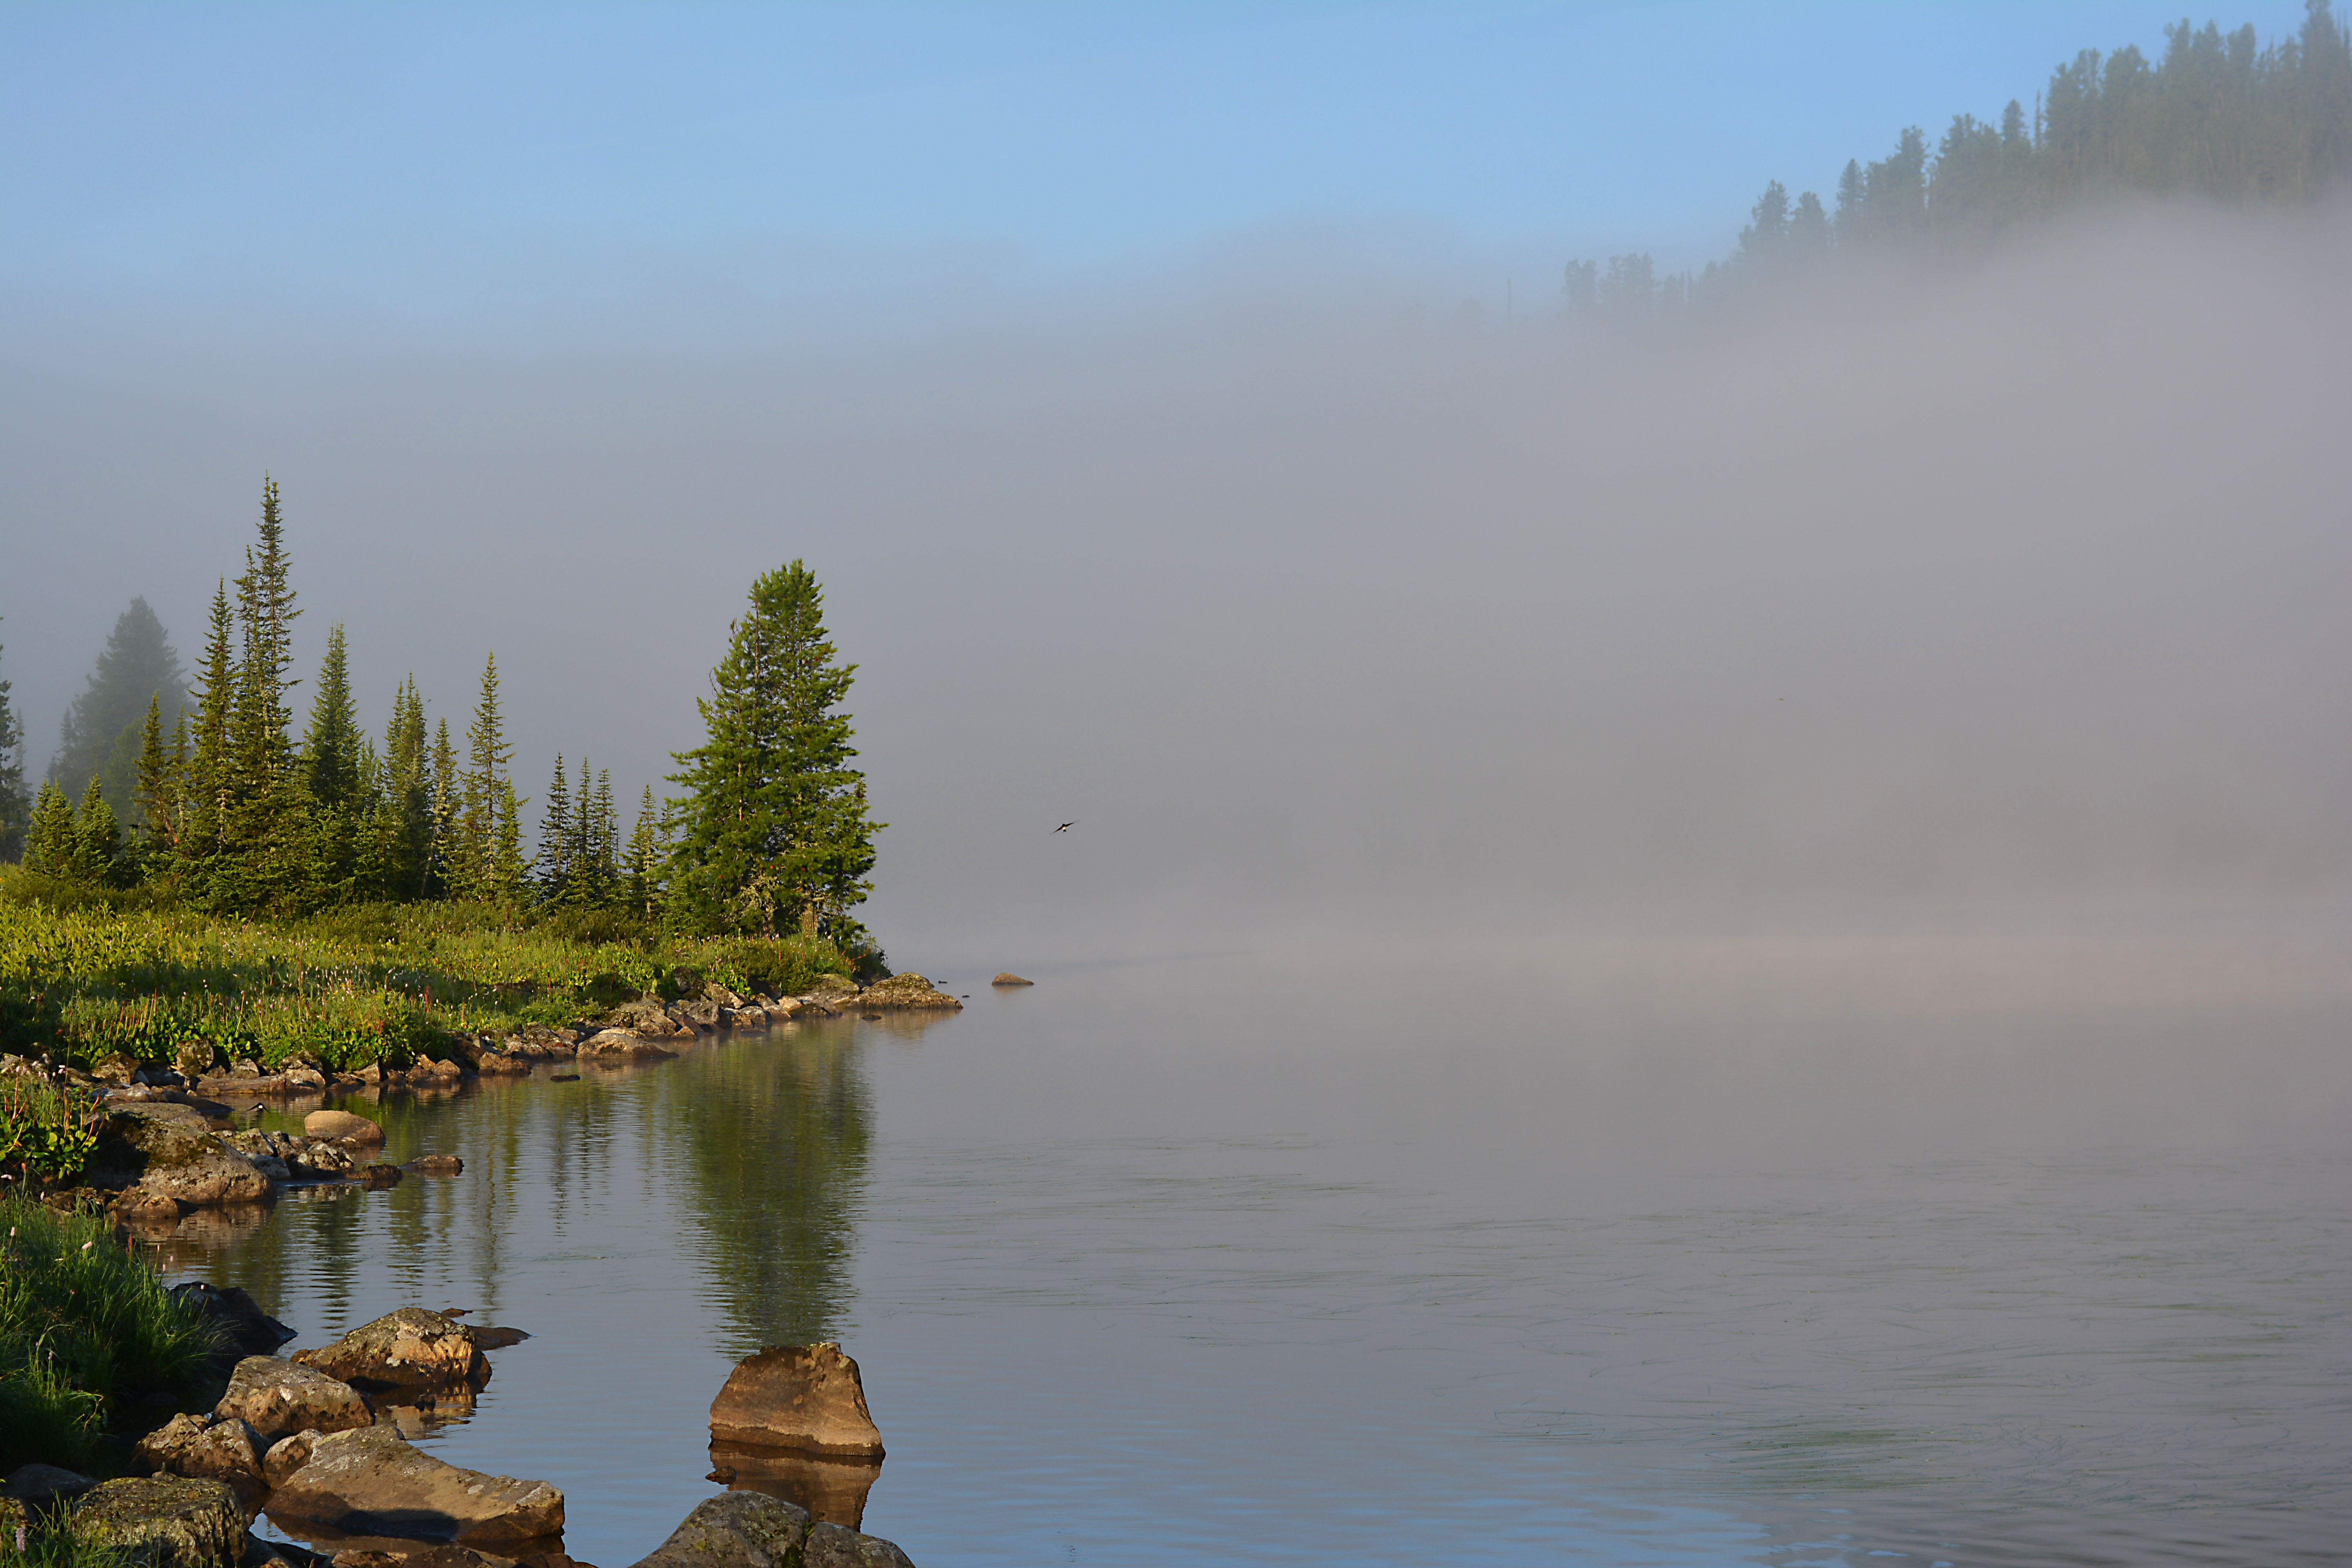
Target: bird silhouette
pixel 1065 827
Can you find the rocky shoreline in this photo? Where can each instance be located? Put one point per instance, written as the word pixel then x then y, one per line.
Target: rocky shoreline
pixel 167 1144
pixel 316 1444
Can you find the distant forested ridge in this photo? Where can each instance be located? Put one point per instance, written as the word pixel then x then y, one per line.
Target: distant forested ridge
pixel 211 799
pixel 2218 118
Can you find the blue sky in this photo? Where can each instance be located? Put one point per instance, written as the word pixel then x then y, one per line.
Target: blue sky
pixel 350 163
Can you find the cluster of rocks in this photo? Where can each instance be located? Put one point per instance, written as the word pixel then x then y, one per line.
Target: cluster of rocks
pixel 314 1443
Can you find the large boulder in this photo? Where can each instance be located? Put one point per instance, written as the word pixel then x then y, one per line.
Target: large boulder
pixel 342 1126
pixel 804 1397
pixel 155 1149
pixel 1009 978
pixel 371 1481
pixel 238 1319
pixel 908 990
pixel 412 1352
pixel 39 1487
pixel 750 1530
pixel 644 1016
pixel 621 1045
pixel 208 1448
pixel 165 1521
pixel 278 1398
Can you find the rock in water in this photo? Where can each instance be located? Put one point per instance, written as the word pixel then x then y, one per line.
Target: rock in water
pixel 166 1159
pixel 341 1124
pixel 248 1327
pixel 621 1043
pixel 209 1447
pixel 411 1352
pixel 286 1455
pixel 370 1482
pixel 165 1521
pixel 831 1546
pixel 807 1397
pixel 1009 978
pixel 278 1398
pixel 833 1491
pixel 907 990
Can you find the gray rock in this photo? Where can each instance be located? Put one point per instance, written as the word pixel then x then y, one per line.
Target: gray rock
pixel 278 1398
pixel 372 1481
pixel 165 1521
pixel 621 1045
pixel 205 1448
pixel 831 1546
pixel 412 1351
pixel 38 1486
pixel 236 1315
pixel 153 1149
pixel 804 1397
pixel 643 1016
pixel 734 1529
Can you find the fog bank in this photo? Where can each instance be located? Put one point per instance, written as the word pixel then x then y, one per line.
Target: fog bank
pixel 1318 604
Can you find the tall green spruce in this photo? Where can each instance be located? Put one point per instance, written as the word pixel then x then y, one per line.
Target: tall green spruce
pixel 16 810
pixel 772 831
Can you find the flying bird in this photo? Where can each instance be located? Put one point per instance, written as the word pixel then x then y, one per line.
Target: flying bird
pixel 1065 827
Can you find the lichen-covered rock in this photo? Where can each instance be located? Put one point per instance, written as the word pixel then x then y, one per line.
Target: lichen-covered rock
pixel 808 1397
pixel 827 986
pixel 286 1455
pixel 342 1126
pixel 411 1352
pixel 370 1482
pixel 153 1148
pixel 734 1529
pixel 622 1044
pixel 277 1398
pixel 1009 978
pixel 643 1017
pixel 437 1165
pixel 832 1546
pixel 206 1447
pixel 165 1521
pixel 907 990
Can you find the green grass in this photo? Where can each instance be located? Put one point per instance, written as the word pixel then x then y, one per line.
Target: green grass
pixel 85 1326
pixel 85 980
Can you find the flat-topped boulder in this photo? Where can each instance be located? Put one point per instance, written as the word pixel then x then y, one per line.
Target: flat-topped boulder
pixel 803 1397
pixel 163 1521
pixel 622 1044
pixel 1009 978
pixel 278 1398
pixel 156 1150
pixel 907 990
pixel 372 1481
pixel 206 1447
pixel 412 1352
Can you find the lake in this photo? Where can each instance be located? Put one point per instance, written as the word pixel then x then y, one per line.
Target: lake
pixel 2030 1247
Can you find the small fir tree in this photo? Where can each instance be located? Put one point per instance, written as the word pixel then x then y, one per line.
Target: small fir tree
pixel 555 838
pixel 50 845
pixel 97 839
pixel 16 809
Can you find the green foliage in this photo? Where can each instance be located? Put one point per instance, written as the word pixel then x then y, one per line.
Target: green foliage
pixel 369 983
pixel 55 1544
pixel 136 668
pixel 47 1131
pixel 15 806
pixel 773 830
pixel 85 1326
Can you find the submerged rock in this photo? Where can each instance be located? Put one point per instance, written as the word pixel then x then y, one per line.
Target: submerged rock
pixel 437 1165
pixel 277 1398
pixel 165 1521
pixel 411 1352
pixel 804 1397
pixel 372 1481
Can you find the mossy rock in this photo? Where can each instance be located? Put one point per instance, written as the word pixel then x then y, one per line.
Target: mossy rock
pixel 165 1521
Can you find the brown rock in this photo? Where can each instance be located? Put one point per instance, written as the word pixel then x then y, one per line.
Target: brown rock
pixel 1009 978
pixel 834 1490
pixel 140 1146
pixel 279 1397
pixel 734 1529
pixel 437 1165
pixel 286 1455
pixel 342 1125
pixel 371 1481
pixel 831 1546
pixel 908 990
pixel 411 1352
pixel 380 1175
pixel 622 1045
pixel 643 1016
pixel 165 1521
pixel 206 1447
pixel 806 1397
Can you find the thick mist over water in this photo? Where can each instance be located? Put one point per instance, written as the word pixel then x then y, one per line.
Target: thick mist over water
pixel 1323 606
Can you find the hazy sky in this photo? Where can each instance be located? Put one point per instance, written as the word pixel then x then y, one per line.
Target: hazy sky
pixel 1106 363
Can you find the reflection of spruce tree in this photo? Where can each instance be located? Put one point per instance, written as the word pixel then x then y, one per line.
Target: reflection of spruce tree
pixel 777 1147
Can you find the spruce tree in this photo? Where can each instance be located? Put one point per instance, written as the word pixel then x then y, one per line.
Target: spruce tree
pixel 774 831
pixel 449 874
pixel 50 845
pixel 97 839
pixel 482 787
pixel 209 774
pixel 555 838
pixel 16 810
pixel 404 807
pixel 645 857
pixel 335 778
pixel 137 666
pixel 508 871
pixel 264 851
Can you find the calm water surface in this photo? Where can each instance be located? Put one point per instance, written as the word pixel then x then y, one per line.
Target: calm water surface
pixel 1213 1262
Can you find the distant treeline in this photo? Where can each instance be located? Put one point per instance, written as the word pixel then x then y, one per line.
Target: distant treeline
pixel 207 798
pixel 2218 118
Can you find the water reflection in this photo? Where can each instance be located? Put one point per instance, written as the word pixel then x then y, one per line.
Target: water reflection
pixel 834 1490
